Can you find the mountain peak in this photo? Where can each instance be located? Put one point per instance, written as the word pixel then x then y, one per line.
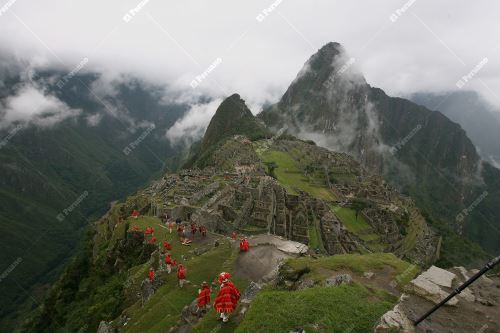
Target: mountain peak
pixel 232 117
pixel 327 56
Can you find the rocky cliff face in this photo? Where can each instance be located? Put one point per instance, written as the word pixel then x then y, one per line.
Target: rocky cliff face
pixel 421 152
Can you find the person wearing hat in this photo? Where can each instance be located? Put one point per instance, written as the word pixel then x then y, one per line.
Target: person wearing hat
pixel 181 274
pixel 203 299
pixel 227 299
pixel 170 262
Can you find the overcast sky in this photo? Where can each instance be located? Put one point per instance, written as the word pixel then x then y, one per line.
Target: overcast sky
pixel 429 46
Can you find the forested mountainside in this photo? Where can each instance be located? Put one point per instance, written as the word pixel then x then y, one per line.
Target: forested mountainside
pixel 479 119
pixel 281 185
pixel 420 152
pixel 56 179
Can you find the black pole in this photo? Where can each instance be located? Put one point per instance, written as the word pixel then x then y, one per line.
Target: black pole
pixel 457 291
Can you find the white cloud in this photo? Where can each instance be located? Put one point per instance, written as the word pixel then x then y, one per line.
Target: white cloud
pixel 31 105
pixel 172 42
pixel 194 123
pixel 94 119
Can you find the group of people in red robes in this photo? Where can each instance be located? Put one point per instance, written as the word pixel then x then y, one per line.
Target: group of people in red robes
pixel 225 302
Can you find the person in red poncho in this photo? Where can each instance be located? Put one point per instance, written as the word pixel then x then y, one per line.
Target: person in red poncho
pixel 181 274
pixel 228 297
pixel 152 240
pixel 167 246
pixel 149 231
pixel 203 299
pixel 244 245
pixel 135 214
pixel 170 262
pixel 151 274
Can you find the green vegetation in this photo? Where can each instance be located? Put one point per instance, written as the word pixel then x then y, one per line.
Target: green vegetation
pixel 402 271
pixel 232 118
pixel 359 227
pixel 48 169
pixel 352 308
pixel 290 174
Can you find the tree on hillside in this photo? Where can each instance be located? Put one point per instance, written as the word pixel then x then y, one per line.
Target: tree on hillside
pixel 271 166
pixel 358 205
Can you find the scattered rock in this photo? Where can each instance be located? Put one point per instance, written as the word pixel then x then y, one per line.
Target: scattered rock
pixel 249 294
pixel 338 280
pixel 147 290
pixel 305 284
pixel 467 295
pixel 368 275
pixel 394 320
pixel 463 272
pixel 105 327
pixel 486 302
pixel 298 330
pixel 200 250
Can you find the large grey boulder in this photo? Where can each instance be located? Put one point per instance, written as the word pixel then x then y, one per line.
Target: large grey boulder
pixel 280 243
pixel 429 285
pixel 439 276
pixel 394 320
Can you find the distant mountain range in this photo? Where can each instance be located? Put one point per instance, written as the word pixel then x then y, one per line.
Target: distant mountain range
pixel 480 120
pixel 56 178
pixel 419 151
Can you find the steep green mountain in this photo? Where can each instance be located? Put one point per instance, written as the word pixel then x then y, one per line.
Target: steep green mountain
pixel 421 152
pixel 232 117
pixel 473 113
pixel 300 203
pixel 55 180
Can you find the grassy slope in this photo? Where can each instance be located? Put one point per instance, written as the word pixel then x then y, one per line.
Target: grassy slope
pixel 164 308
pixel 352 308
pixel 360 263
pixel 290 174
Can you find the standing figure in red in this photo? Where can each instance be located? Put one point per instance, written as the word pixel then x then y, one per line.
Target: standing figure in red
pixel 151 274
pixel 149 231
pixel 135 214
pixel 170 262
pixel 244 245
pixel 203 299
pixel 228 297
pixel 167 246
pixel 152 240
pixel 181 275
